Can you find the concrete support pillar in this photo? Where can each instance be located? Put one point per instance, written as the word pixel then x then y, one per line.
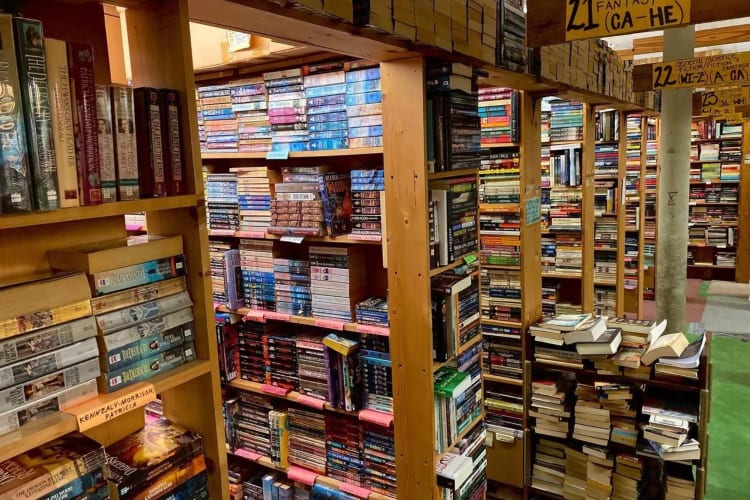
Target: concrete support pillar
pixel 674 188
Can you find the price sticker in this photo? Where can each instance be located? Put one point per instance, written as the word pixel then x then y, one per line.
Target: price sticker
pixel 301 475
pixel 470 259
pixel 274 390
pixel 310 401
pixel 250 455
pixel 331 324
pixel 276 316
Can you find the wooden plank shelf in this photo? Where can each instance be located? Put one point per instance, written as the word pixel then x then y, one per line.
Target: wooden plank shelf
pixel 326 153
pixel 450 174
pixel 502 380
pixel 455 264
pixel 38 218
pixel 567 276
pixel 496 266
pixel 344 239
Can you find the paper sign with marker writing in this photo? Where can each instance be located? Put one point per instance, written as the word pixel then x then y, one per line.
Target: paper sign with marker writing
pixel 105 409
pixel 373 330
pixel 255 315
pixel 272 389
pixel 310 401
pixel 357 491
pixel 331 324
pixel 599 18
pixel 710 71
pixel 376 417
pixel 719 102
pixel 276 316
pixel 304 476
pixel 250 455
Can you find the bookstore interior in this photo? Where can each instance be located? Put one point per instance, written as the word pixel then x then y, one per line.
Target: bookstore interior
pixel 414 250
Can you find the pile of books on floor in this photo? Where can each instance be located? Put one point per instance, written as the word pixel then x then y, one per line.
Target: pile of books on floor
pixel 368 188
pixel 142 307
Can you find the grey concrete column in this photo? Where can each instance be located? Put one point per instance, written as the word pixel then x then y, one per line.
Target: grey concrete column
pixel 674 188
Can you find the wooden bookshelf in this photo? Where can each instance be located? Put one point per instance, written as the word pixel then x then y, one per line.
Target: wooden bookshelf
pixel 742 273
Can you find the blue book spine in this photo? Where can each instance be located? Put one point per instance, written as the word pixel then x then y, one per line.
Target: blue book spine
pixel 362 75
pixel 363 98
pixel 190 489
pixel 147 347
pixel 331 134
pixel 328 126
pixel 268 481
pixel 374 131
pixel 326 90
pixel 139 274
pixel 78 486
pixel 325 144
pixel 322 110
pixel 363 86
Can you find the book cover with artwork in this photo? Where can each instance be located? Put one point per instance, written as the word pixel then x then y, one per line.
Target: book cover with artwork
pixel 335 191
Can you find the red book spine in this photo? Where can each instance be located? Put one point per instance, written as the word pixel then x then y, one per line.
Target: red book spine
pixel 148 129
pixel 83 90
pixel 174 168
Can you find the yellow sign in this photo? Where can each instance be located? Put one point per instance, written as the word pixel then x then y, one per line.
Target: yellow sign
pixel 711 71
pixel 599 18
pixel 105 409
pixel 722 101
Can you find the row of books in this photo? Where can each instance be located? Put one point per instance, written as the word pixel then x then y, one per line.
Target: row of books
pixel 348 371
pixel 499 110
pixel 319 107
pixel 714 171
pixel 456 310
pixel 461 471
pixel 340 446
pixel 162 460
pixel 458 400
pixel 70 142
pixel 453 219
pixel 707 129
pixel 562 254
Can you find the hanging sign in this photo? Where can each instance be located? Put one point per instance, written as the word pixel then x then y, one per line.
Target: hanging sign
pixel 599 18
pixel 710 71
pixel 720 102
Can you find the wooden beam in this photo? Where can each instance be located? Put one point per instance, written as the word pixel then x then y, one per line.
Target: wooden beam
pixel 545 21
pixel 643 77
pixel 703 38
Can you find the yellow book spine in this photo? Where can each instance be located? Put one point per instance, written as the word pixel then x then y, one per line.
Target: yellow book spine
pixel 44 318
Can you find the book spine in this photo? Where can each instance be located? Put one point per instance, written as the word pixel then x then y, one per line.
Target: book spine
pixel 44 318
pixel 148 128
pixel 146 347
pixel 84 484
pixel 146 368
pixel 83 97
pixel 26 346
pixel 106 143
pixel 126 317
pixel 133 296
pixel 126 149
pixel 36 104
pixel 62 122
pixel 15 178
pixel 174 167
pixel 140 274
pixel 149 328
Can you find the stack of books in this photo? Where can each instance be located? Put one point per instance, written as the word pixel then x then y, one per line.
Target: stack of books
pixel 258 282
pixel 323 89
pixel 550 406
pixel 379 453
pixel 500 238
pixel 161 458
pixel 225 261
pixel 457 146
pixel 549 253
pixel 343 450
pixel 253 197
pixel 50 473
pixel 605 267
pixel 307 439
pixel 368 188
pixel 633 126
pixel 49 361
pixel 143 310
pixel 549 469
pixel 607 126
pixel 292 281
pixel 222 203
pixel 219 121
pixel 680 482
pixel 287 110
pixel 599 469
pixel 709 151
pixel 511 49
pixel 576 472
pixel 605 301
pixel 627 477
pixel 455 312
pixel 250 109
pixel 312 366
pixel 605 198
pixel 372 311
pixel 345 374
pixel 550 297
pixel 363 106
pixel 504 407
pixel 337 281
pixel 730 172
pixel 249 422
pixel 377 378
pixel 566 208
pixel 591 420
pixel 501 295
pixel 458 402
pixel 499 360
pixel 280 357
pixel 566 123
pixel 498 111
pixel 568 254
pixel 250 338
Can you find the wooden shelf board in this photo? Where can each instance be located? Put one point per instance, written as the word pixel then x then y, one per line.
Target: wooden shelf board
pixel 327 153
pixel 342 239
pixel 568 276
pixel 38 218
pixel 511 324
pixel 302 320
pixel 501 145
pixel 464 172
pixel 455 264
pixel 506 268
pixel 471 343
pixel 322 479
pixel 462 435
pixel 605 282
pixel 503 380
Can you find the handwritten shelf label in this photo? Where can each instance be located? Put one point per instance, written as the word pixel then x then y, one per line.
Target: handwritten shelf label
pixel 357 491
pixel 310 401
pixel 254 315
pixel 250 455
pixel 599 18
pixel 374 330
pixel 719 102
pixel 277 155
pixel 292 239
pixel 276 316
pixel 376 417
pixel 304 476
pixel 365 237
pixel 250 234
pixel 272 389
pixel 709 71
pixel 331 324
pixel 105 409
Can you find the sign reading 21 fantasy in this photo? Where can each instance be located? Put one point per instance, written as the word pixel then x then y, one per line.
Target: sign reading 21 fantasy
pixel 600 18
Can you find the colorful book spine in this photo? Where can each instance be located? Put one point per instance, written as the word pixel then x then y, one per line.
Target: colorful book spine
pixel 146 368
pixel 83 97
pixel 83 485
pixel 138 274
pixel 126 149
pixel 15 178
pixel 147 347
pixel 106 143
pixel 148 129
pixel 25 346
pixel 63 134
pixel 174 167
pixel 32 68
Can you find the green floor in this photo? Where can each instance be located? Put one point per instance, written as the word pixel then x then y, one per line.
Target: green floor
pixel 729 436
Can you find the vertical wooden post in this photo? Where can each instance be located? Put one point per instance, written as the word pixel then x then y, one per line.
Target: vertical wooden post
pixel 587 217
pixel 742 274
pixel 622 160
pixel 407 238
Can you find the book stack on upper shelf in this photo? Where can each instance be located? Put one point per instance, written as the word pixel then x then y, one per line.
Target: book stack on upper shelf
pixel 141 305
pixel 498 110
pixel 129 153
pixel 714 198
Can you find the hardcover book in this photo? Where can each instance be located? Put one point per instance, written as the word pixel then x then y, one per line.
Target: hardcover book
pixel 63 134
pixel 174 168
pixel 15 177
pixel 83 97
pixel 32 68
pixel 106 143
pixel 149 135
pixel 126 149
